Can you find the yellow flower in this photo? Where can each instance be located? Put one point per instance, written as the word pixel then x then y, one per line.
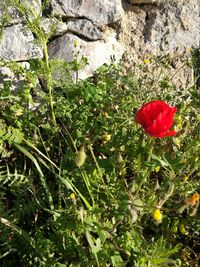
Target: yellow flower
pixel 157 168
pixel 72 196
pixel 106 138
pixel 146 61
pixel 189 49
pixel 185 178
pixel 157 215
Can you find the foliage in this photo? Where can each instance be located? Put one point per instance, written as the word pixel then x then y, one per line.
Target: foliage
pixel 80 180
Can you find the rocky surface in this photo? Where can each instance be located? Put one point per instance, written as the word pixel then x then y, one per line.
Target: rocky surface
pixel 84 28
pixel 149 30
pixel 9 77
pixel 16 83
pixel 154 2
pixel 53 27
pixel 99 12
pixel 68 47
pixel 102 29
pixel 12 15
pixel 171 28
pixel 18 44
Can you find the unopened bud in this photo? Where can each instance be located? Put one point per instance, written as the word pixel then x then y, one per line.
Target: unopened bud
pixel 80 157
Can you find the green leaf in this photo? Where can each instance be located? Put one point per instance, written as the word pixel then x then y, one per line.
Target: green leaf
pixel 94 247
pixel 117 260
pixel 18 135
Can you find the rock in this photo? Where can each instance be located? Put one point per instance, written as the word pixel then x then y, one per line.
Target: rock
pixel 154 2
pixel 81 27
pixel 153 27
pixel 172 28
pixel 18 44
pixel 68 47
pixel 7 76
pixel 15 16
pixel 100 12
pixel 84 28
pixel 13 79
pixel 53 26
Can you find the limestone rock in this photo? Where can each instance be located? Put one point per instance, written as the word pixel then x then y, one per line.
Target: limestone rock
pixel 85 28
pixel 18 44
pixel 81 27
pixel 9 77
pixel 100 12
pixel 156 2
pixel 97 52
pixel 172 28
pixel 15 16
pixel 53 27
pixel 16 83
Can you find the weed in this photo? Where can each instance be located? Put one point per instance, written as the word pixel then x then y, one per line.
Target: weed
pixel 80 180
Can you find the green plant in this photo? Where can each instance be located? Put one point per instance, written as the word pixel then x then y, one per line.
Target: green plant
pixel 80 180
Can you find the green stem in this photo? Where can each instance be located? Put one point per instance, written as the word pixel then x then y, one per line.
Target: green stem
pixel 87 183
pixel 70 185
pixel 41 175
pixel 49 81
pixel 22 234
pixel 96 163
pixel 66 181
pixel 94 158
pixel 140 184
pixel 70 137
pixel 40 153
pixel 145 172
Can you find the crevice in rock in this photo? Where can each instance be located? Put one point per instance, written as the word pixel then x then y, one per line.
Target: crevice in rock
pixel 150 20
pixel 47 8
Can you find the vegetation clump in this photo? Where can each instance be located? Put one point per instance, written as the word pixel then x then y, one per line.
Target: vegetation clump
pixel 81 183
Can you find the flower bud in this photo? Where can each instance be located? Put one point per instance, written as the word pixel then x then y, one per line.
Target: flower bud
pixel 182 229
pixel 80 157
pixel 106 115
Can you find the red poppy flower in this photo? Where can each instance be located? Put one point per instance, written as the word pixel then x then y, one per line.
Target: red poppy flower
pixel 156 118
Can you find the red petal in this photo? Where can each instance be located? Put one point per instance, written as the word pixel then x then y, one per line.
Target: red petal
pixel 170 133
pixel 156 117
pixel 142 117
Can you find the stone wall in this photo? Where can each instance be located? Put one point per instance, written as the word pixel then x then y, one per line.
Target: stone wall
pixel 103 29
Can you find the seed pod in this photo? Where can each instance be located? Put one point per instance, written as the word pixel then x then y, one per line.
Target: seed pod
pixel 174 228
pixel 80 157
pixel 174 225
pixel 120 159
pixel 182 229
